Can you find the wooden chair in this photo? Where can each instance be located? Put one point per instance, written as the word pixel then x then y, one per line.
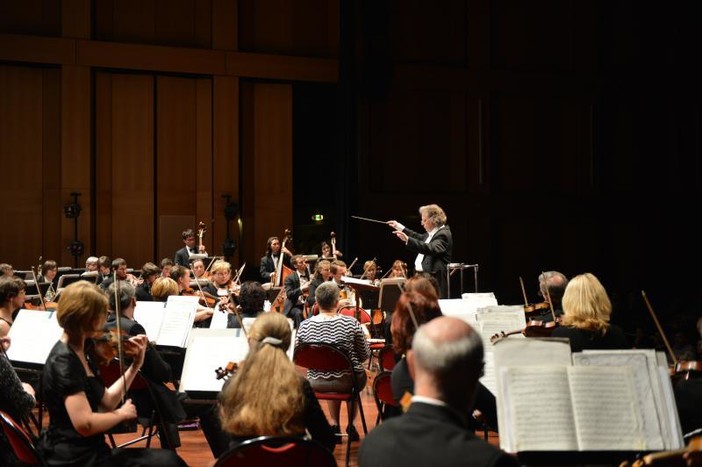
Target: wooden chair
pixel 328 358
pixel 18 441
pixel 274 451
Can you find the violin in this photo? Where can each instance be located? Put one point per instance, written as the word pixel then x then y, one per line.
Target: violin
pixel 228 371
pixel 534 307
pixel 205 298
pixel 105 347
pixel 534 328
pixel 691 455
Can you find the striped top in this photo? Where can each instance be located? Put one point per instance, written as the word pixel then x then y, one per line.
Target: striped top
pixel 344 332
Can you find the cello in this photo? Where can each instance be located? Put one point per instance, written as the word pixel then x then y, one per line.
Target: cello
pixel 281 273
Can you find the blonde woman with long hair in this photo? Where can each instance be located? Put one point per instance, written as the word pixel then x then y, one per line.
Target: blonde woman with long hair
pixel 267 396
pixel 586 313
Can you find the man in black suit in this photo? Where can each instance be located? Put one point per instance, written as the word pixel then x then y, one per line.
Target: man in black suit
pixel 433 248
pixel 269 262
pixel 446 360
pixel 296 284
pixel 182 256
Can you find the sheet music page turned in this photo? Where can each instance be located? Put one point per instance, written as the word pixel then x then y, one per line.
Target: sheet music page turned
pixel 33 333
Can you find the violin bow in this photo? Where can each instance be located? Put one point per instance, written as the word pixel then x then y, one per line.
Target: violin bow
pixel 548 297
pixel 36 282
pixel 521 283
pixel 199 288
pixel 236 313
pixel 660 328
pixel 118 322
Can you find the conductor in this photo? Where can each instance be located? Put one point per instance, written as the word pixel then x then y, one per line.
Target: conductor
pixel 433 247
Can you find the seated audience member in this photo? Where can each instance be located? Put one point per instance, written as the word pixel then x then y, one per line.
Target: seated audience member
pixel 585 320
pixel 446 360
pixel 267 396
pixel 81 408
pixel 155 369
pixel 346 333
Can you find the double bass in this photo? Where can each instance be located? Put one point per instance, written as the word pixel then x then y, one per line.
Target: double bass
pixel 281 273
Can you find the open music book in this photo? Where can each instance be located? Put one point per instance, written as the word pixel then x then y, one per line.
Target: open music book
pixel 167 323
pixel 33 333
pixel 209 349
pixel 614 400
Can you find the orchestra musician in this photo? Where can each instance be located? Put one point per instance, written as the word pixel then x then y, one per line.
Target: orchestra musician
pixel 6 270
pixel 119 266
pixel 203 314
pixel 399 269
pixel 369 297
pixel 552 285
pixel 220 279
pixel 49 269
pixel 12 296
pixel 346 295
pixel 296 285
pixel 433 248
pixel 271 258
pixel 585 321
pixel 104 268
pixel 198 268
pixel 166 265
pixel 321 274
pixel 327 252
pixel 149 273
pixel 182 256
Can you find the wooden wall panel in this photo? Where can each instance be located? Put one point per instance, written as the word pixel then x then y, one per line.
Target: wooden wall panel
pixel 55 236
pixel 182 177
pixel 21 107
pixel 267 164
pixel 76 156
pixel 125 167
pixel 225 27
pixel 40 17
pixel 226 161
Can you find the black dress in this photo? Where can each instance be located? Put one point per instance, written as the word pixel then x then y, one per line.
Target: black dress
pixel 581 339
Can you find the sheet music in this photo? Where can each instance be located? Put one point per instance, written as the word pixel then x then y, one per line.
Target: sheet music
pixel 458 308
pixel 538 412
pixel 169 325
pixel 644 368
pixel 33 334
pixel 209 349
pixel 150 316
pixel 605 408
pixel 219 319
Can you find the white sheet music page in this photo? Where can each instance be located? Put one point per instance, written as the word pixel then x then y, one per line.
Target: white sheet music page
pixel 209 349
pixel 178 321
pixel 643 364
pixel 458 308
pixel 605 408
pixel 219 319
pixel 33 334
pixel 538 412
pixel 150 316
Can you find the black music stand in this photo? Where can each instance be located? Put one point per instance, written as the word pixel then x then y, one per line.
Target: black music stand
pixel 358 285
pixel 390 291
pixel 32 288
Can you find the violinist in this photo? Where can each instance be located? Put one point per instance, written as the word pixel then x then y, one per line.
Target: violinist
pixel 198 268
pixel 399 269
pixel 119 266
pixel 296 285
pixel 346 294
pixel 104 268
pixel 203 314
pixel 12 297
pixel 220 279
pixel 552 285
pixel 162 288
pixel 6 270
pixel 166 265
pixel 81 408
pixel 271 258
pixel 687 389
pixel 321 274
pixel 369 297
pixel 268 396
pixel 155 369
pixel 327 253
pixel 252 298
pixel 149 273
pixel 585 321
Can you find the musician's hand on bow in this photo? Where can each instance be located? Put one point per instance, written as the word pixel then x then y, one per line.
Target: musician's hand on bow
pixel 286 251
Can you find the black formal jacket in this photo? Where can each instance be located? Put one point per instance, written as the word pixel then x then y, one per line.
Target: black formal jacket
pixel 292 292
pixel 428 435
pixel 268 266
pixel 437 253
pixel 182 257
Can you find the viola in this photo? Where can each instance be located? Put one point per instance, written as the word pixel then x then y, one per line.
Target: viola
pixel 537 307
pixel 228 371
pixel 685 369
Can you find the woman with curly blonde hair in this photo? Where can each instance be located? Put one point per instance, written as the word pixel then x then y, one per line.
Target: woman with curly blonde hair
pixel 267 396
pixel 587 309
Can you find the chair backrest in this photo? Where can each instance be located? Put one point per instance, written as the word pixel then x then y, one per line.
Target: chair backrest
pixel 386 357
pixel 382 391
pixel 275 451
pixel 19 441
pixel 350 310
pixel 321 357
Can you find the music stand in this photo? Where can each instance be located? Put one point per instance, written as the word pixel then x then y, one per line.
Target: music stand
pixel 453 267
pixel 390 291
pixel 32 289
pixel 358 285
